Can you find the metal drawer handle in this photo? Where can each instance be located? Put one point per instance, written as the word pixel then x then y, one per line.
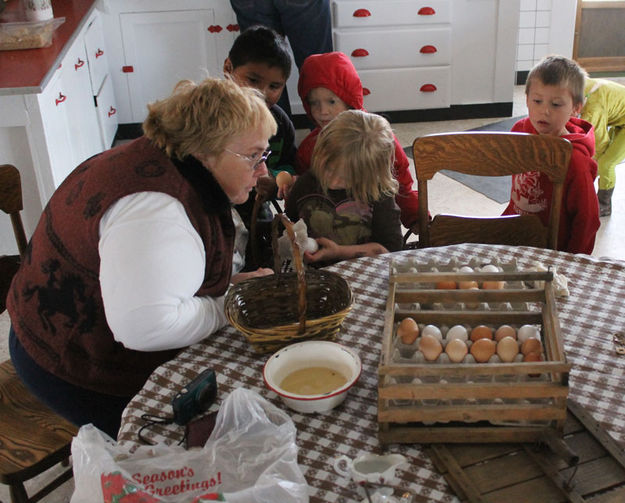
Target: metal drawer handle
pixel 428 49
pixel 79 64
pixel 112 112
pixel 426 11
pixel 360 53
pixel 361 13
pixel 60 99
pixel 428 88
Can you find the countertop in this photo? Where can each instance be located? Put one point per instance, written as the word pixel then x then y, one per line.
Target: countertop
pixel 27 71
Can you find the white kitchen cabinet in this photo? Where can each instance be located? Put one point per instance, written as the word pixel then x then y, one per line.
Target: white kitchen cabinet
pixel 154 45
pixel 430 54
pixel 46 134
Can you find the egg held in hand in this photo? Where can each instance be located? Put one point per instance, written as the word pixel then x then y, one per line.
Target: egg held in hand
pixel 283 178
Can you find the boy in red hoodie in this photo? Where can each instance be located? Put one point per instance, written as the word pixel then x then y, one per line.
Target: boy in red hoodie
pixel 328 85
pixel 555 95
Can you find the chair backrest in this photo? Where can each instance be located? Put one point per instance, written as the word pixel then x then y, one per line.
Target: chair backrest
pixel 490 154
pixel 11 201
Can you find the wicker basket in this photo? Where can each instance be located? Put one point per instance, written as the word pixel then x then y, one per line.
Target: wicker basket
pixel 277 310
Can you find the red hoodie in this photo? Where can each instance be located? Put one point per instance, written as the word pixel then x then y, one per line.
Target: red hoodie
pixel 335 71
pixel 531 192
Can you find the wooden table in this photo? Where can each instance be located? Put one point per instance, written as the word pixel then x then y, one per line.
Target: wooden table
pixel 589 316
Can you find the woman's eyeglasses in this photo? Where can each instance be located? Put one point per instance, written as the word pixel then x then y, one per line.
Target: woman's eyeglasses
pixel 256 161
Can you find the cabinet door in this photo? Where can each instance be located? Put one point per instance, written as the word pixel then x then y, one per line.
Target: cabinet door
pixel 83 127
pixel 162 48
pixel 96 54
pixel 395 48
pixel 55 122
pixel 107 112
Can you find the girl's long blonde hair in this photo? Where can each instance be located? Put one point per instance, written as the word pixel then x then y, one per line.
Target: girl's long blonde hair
pixel 360 147
pixel 202 118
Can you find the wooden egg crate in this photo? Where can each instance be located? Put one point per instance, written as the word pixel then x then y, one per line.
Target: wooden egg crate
pixel 430 402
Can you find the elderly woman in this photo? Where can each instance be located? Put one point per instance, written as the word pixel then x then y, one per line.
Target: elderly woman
pixel 133 253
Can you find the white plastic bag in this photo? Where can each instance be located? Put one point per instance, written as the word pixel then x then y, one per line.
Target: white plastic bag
pixel 251 456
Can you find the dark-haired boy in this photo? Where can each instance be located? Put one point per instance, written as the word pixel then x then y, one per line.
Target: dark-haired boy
pixel 260 58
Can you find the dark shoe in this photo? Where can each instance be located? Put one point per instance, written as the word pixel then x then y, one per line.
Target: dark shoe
pixel 605 201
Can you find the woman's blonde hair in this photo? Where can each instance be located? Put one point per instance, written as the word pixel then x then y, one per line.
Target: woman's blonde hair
pixel 360 147
pixel 202 118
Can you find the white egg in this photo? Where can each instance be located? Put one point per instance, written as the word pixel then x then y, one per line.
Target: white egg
pixel 465 268
pixel 490 268
pixel 527 332
pixel 457 332
pixel 432 330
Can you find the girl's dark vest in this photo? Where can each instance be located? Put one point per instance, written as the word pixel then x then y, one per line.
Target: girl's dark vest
pixel 55 301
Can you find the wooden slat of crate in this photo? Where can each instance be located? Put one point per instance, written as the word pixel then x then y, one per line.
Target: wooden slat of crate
pixel 528 472
pixel 455 390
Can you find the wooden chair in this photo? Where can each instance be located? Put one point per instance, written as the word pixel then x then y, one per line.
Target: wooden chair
pixel 32 437
pixel 490 154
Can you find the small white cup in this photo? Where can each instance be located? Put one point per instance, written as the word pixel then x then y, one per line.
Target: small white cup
pixel 369 467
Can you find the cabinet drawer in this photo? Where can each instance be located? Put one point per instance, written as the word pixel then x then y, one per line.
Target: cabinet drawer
pixel 400 48
pixel 406 88
pixel 96 54
pixel 363 13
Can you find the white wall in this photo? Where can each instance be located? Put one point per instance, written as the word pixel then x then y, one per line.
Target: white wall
pixel 545 27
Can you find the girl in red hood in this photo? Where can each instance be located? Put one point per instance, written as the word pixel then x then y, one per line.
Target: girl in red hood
pixel 328 85
pixel 555 94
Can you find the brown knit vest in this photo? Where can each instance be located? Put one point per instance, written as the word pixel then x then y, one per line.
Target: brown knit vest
pixel 55 301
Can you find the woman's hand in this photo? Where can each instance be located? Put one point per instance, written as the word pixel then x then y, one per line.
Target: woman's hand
pixel 242 276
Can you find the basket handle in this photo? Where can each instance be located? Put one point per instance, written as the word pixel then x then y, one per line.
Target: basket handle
pixel 297 260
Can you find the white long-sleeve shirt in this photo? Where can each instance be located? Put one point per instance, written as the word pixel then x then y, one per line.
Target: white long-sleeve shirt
pixel 152 262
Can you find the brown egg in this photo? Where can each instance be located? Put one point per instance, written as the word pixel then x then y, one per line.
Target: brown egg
pixel 492 285
pixel 446 285
pixel 456 349
pixel 483 349
pixel 505 331
pixel 533 357
pixel 408 330
pixel 507 349
pixel 531 346
pixel 465 285
pixel 283 178
pixel 430 346
pixel 481 332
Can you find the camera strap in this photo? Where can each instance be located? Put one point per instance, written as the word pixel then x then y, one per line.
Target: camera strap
pixel 151 420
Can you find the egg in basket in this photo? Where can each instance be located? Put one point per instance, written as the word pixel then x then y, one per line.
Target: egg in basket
pixel 276 310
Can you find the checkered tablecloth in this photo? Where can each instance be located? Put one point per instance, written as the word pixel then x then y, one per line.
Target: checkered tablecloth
pixel 593 311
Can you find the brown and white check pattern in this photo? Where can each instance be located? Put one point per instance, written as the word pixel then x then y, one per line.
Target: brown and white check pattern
pixel 593 311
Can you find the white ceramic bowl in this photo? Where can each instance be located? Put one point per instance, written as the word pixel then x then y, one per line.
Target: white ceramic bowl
pixel 312 354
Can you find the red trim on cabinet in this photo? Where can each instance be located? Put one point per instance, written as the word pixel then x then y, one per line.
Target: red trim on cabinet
pixel 361 13
pixel 365 91
pixel 428 49
pixel 214 28
pixel 426 11
pixel 99 53
pixel 112 112
pixel 60 99
pixel 360 53
pixel 427 88
pixel 233 27
pixel 80 63
pixel 128 69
